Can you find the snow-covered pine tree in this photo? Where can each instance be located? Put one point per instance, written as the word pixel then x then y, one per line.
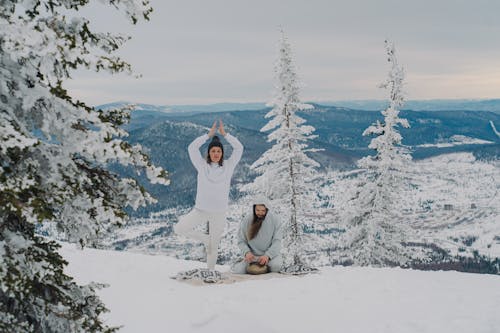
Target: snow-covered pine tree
pixel 374 232
pixel 285 171
pixel 54 153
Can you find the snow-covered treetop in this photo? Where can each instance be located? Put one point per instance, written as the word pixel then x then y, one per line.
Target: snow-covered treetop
pixel 287 128
pixel 388 140
pixel 395 79
pixel 287 87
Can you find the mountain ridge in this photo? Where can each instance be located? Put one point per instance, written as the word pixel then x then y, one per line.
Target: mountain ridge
pixel 492 105
pixel 166 137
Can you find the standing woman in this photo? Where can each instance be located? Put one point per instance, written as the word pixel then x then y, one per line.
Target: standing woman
pixel 212 192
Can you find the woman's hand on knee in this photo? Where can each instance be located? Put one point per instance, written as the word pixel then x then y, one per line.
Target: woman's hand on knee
pixel 249 257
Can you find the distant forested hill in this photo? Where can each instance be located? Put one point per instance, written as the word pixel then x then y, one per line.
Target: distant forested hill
pixel 339 130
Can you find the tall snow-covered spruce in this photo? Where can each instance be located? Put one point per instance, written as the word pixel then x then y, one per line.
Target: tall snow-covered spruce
pixel 285 171
pixel 374 230
pixel 54 153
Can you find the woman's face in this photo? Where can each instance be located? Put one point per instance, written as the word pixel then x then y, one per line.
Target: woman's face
pixel 215 154
pixel 260 211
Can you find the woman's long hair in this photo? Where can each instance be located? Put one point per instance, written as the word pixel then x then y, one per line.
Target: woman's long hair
pixel 254 227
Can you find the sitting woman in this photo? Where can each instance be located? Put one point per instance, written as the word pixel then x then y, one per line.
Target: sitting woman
pixel 259 239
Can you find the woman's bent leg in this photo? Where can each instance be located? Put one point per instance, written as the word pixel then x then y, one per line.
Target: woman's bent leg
pixel 240 267
pixel 188 222
pixel 275 264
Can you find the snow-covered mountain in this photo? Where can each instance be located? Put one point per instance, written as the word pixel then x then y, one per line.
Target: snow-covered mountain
pixel 489 105
pixel 339 131
pixel 186 109
pixel 456 140
pixel 142 298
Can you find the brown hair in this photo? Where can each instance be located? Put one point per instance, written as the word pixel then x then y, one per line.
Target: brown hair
pixel 254 227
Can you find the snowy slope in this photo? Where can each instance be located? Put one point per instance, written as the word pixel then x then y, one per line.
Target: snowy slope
pixel 453 201
pixel 471 189
pixel 143 298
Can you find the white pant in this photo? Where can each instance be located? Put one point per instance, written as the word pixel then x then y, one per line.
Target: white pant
pixel 216 222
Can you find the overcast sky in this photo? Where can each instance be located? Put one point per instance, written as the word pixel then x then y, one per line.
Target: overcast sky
pixel 208 51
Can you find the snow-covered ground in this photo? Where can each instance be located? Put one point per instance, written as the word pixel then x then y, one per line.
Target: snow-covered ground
pixel 143 298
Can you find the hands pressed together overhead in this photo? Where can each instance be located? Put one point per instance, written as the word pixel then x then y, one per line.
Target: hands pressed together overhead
pixel 213 130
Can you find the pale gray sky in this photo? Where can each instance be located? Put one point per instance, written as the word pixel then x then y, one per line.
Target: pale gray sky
pixel 207 51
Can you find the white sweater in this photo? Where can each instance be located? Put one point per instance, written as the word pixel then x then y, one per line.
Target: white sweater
pixel 212 193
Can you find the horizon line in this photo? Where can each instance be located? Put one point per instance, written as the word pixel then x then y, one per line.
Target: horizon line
pixel 307 101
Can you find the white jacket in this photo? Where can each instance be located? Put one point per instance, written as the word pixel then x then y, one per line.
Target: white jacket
pixel 212 193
